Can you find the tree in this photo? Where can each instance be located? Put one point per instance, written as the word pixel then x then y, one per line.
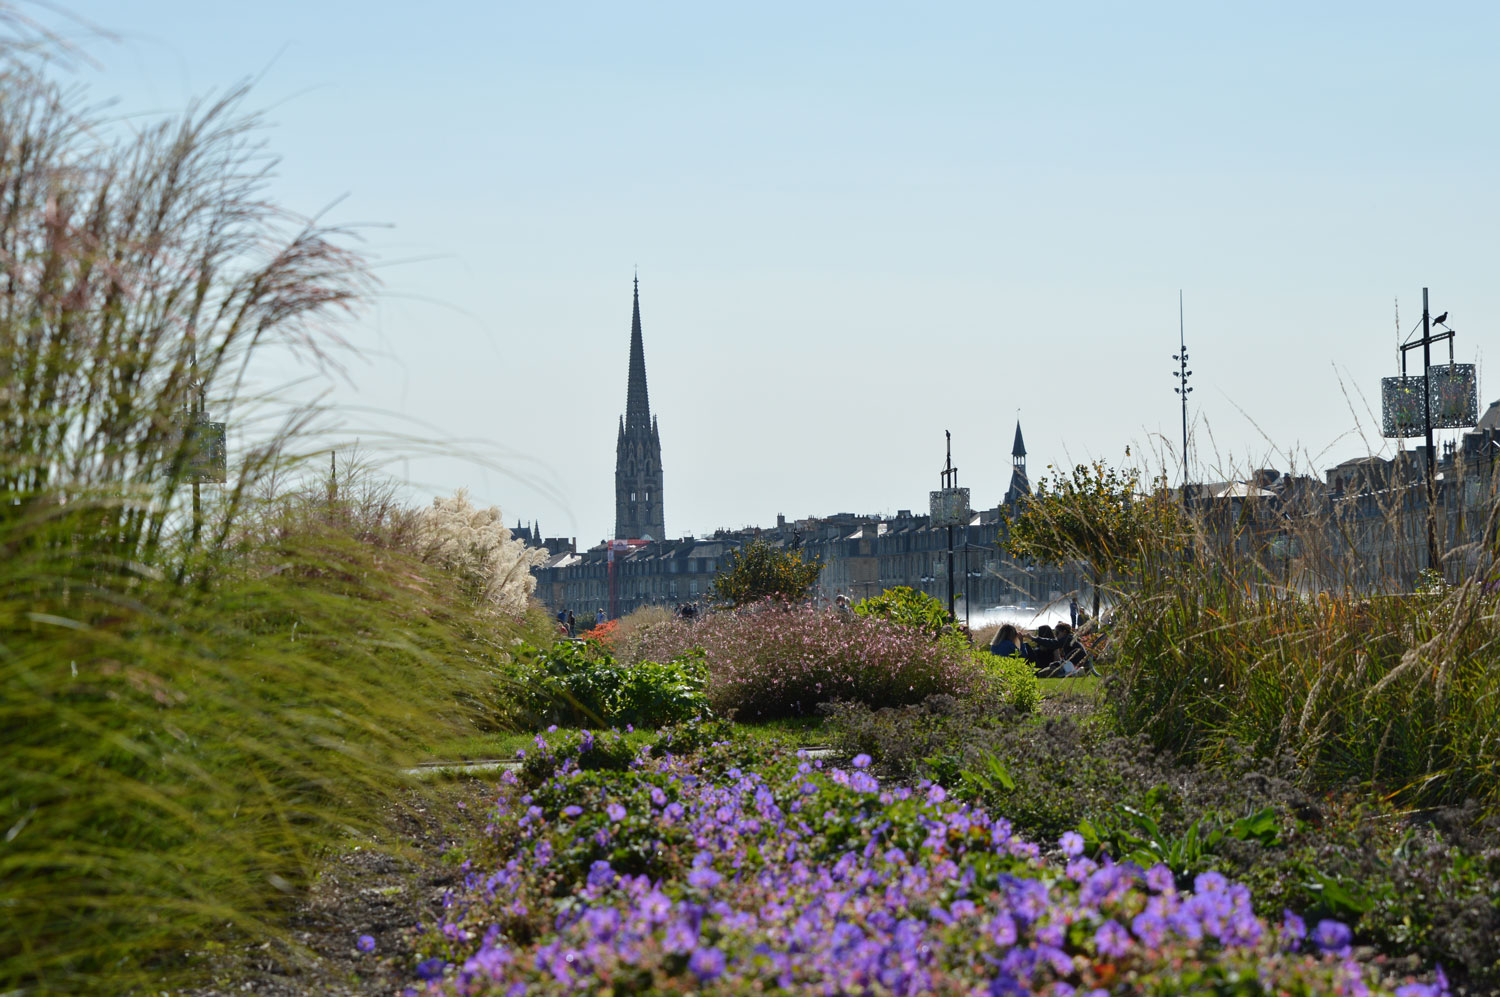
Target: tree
pixel 1098 516
pixel 761 571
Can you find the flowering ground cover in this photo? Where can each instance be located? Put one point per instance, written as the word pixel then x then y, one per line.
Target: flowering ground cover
pixel 740 869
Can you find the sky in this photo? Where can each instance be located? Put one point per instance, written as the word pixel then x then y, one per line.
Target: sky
pixel 859 225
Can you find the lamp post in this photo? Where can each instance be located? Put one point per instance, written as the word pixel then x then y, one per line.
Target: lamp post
pixel 1182 374
pixel 949 507
pixel 1454 391
pixel 1434 557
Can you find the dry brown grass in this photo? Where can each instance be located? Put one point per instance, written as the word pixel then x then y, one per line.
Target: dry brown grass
pixel 632 629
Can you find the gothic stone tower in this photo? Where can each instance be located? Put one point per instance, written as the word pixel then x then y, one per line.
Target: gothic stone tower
pixel 638 510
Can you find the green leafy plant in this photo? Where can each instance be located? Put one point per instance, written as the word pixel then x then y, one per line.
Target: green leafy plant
pixel 1008 681
pixel 654 694
pixel 575 683
pixel 1133 833
pixel 912 608
pixel 760 571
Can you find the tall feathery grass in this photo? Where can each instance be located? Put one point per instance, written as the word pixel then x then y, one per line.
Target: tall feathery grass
pixel 1303 626
pixel 196 699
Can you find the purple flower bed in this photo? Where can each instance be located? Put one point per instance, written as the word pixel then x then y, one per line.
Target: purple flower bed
pixel 778 662
pixel 735 872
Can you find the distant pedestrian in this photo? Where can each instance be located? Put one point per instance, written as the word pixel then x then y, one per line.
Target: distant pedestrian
pixel 572 625
pixel 562 617
pixel 599 617
pixel 1073 610
pixel 841 604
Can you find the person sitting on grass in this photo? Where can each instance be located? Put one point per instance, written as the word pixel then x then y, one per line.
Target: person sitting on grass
pixel 1072 655
pixel 1044 653
pixel 1007 643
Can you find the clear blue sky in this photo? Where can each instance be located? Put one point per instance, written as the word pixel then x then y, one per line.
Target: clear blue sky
pixel 859 225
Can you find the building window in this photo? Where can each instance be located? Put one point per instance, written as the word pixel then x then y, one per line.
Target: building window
pixel 632 496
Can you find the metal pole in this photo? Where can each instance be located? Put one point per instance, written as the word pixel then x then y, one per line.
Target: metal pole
pixel 968 581
pixel 1434 560
pixel 1182 347
pixel 950 572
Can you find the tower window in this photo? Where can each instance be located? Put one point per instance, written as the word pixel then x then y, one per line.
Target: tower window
pixel 632 496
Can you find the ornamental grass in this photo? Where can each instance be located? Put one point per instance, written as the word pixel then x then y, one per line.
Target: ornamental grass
pixel 204 684
pixel 1299 631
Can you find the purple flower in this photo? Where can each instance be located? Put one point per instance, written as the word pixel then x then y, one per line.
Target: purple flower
pixel 600 874
pixel 1112 940
pixel 937 794
pixel 1210 882
pixel 1160 878
pixel 1071 844
pixel 1293 931
pixel 706 963
pixel 571 811
pixel 1332 937
pixel 1003 930
pixel 680 936
pixel 1150 927
pixel 616 812
pixel 861 761
pixel 704 878
pixel 366 943
pixel 430 969
pixel 656 907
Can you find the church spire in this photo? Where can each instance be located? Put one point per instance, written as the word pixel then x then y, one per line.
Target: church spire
pixel 637 405
pixel 638 508
pixel 1020 484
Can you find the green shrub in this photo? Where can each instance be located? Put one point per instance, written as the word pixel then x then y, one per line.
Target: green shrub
pixel 910 608
pixel 578 683
pixel 1010 682
pixel 654 694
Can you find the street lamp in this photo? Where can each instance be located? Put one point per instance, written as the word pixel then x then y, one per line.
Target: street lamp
pixel 1454 393
pixel 1183 390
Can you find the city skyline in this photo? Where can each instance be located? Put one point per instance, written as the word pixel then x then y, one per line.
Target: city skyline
pixel 861 232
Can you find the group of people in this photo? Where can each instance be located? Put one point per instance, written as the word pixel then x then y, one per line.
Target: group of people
pixel 1055 652
pixel 567 623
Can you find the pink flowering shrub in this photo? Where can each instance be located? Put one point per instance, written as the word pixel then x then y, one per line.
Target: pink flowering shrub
pixel 777 661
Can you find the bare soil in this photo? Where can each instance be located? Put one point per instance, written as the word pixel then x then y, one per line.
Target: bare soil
pixel 383 892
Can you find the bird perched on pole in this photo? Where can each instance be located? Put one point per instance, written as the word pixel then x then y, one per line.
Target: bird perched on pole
pixel 1440 319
